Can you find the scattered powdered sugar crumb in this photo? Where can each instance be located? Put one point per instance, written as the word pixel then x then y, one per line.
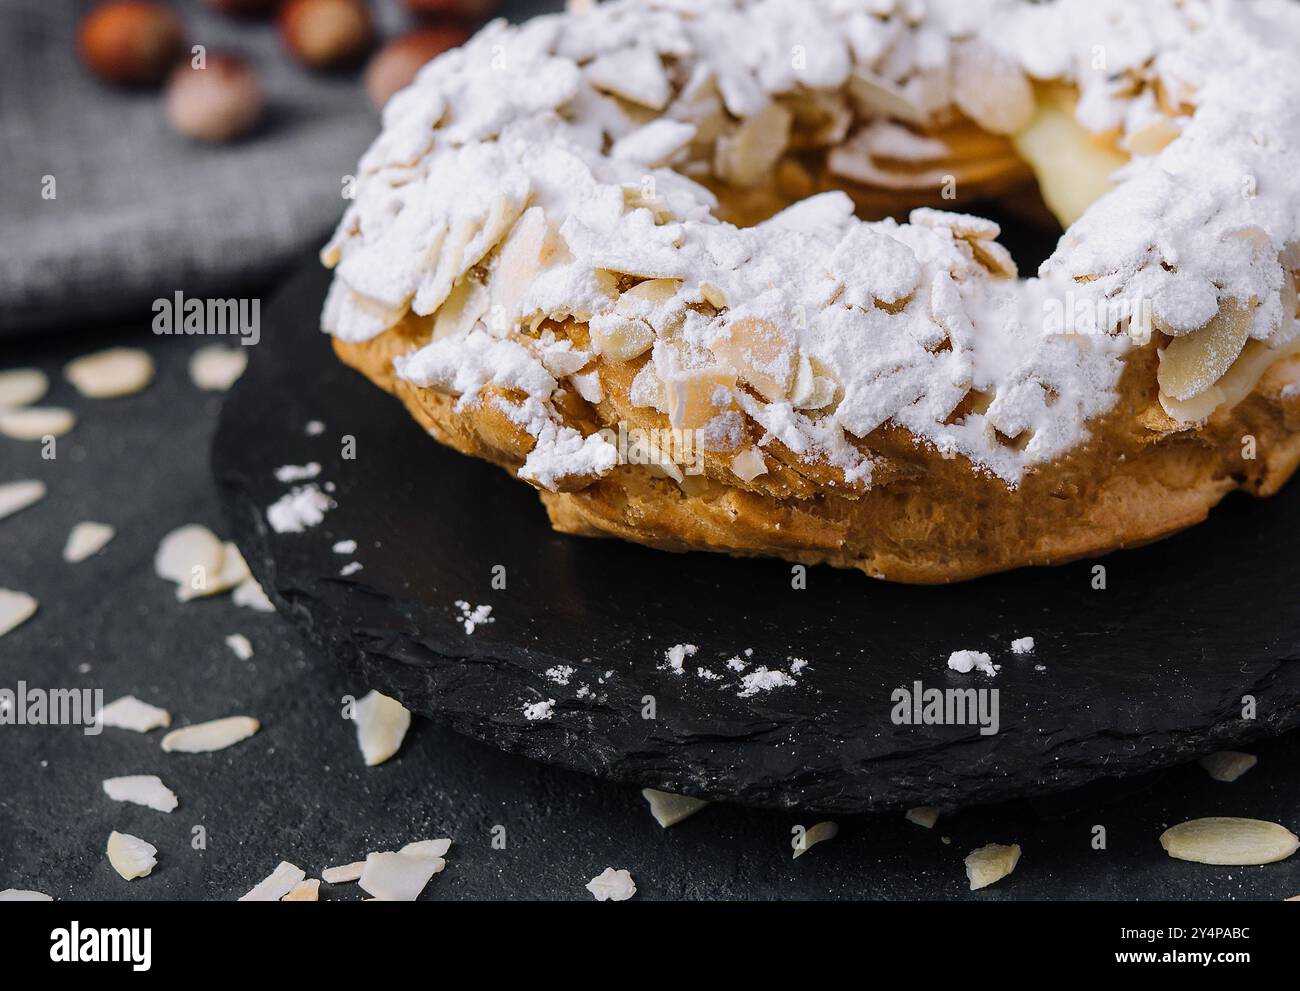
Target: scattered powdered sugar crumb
pixel 314 428
pixel 676 655
pixel 295 511
pixel 351 568
pixel 797 664
pixel 297 473
pixel 1024 645
pixel 539 710
pixel 761 679
pixel 1040 667
pixel 560 674
pixel 345 547
pixel 612 886
pixel 240 646
pixel 965 661
pixel 472 617
pixel 736 664
pixel 708 675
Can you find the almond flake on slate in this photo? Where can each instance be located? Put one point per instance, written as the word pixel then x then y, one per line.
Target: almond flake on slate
pixel 382 723
pixel 85 540
pixel 304 891
pixel 22 387
pixel 215 368
pixel 990 864
pixel 669 809
pixel 131 856
pixel 819 833
pixel 36 422
pixel 240 645
pixel 250 594
pixel 16 608
pixel 433 849
pixel 1228 765
pixel 141 789
pixel 277 884
pixel 23 895
pixel 17 496
pixel 110 374
pixel 612 886
pixel 187 552
pixel 203 738
pixel 923 815
pixel 1229 841
pixel 398 877
pixel 344 874
pixel 129 712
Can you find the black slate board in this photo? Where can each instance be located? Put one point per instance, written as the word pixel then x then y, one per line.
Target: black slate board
pixel 1150 671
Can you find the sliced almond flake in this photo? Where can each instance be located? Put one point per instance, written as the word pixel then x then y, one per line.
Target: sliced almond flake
pixel 240 645
pixel 22 387
pixel 382 723
pixel 215 735
pixel 16 608
pixel 249 593
pixel 1228 765
pixel 397 877
pixel 343 874
pixel 129 712
pixel 923 815
pixel 304 891
pixel 276 885
pixel 620 339
pixel 1192 364
pixel 111 373
pixel 813 835
pixel 24 895
pixel 232 573
pixel 141 789
pixel 188 553
pixel 36 422
pixel 636 74
pixel 748 464
pixel 990 89
pixel 86 540
pixel 612 886
pixel 131 856
pixel 433 849
pixel 669 809
pixel 17 496
pixel 1229 841
pixel 746 158
pixel 990 864
pixel 215 368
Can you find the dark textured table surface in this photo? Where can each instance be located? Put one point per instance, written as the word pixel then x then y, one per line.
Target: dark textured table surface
pixel 298 790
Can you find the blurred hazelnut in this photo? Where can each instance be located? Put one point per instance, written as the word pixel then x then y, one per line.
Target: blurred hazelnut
pixel 244 8
pixel 216 103
pixel 326 34
pixel 395 65
pixel 130 42
pixel 454 8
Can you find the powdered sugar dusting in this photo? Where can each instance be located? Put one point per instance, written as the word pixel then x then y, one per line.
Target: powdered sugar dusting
pixel 521 176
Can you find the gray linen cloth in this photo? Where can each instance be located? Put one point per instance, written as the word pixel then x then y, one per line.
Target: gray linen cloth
pixel 140 212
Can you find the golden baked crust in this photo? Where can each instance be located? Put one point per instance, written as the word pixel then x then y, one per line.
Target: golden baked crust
pixel 925 518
